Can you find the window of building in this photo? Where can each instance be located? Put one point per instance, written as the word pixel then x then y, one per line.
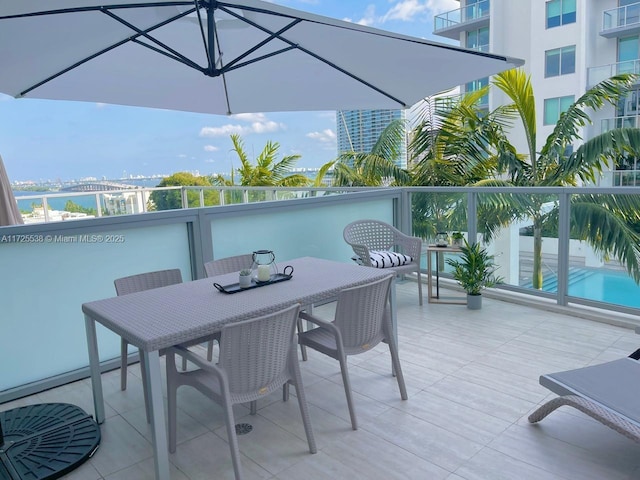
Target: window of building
pixel 560 12
pixel 553 107
pixel 478 39
pixel 477 85
pixel 475 9
pixel 560 61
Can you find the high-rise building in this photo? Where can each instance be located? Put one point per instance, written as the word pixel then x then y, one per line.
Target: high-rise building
pixel 359 130
pixel 568 46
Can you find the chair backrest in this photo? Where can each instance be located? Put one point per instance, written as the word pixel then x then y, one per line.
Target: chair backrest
pixel 228 264
pixel 373 234
pixel 147 281
pixel 360 313
pixel 255 353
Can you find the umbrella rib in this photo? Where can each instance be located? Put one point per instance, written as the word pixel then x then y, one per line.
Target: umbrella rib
pixel 260 45
pixel 94 8
pixel 103 51
pixel 170 52
pixel 310 53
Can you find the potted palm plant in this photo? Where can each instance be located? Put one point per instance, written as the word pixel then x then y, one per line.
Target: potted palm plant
pixel 456 239
pixel 474 270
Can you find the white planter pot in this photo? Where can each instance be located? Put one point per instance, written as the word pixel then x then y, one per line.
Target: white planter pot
pixel 245 281
pixel 474 302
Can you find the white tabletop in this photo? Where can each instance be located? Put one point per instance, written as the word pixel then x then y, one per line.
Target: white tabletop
pixel 162 317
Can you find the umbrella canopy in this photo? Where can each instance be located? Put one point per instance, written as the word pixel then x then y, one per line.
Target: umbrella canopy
pixel 220 57
pixel 9 213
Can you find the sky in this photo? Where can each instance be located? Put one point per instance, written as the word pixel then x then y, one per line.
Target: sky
pixel 47 140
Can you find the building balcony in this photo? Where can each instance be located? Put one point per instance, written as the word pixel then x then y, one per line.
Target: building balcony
pixel 602 72
pixel 472 17
pixel 472 376
pixel 630 121
pixel 472 380
pixel 621 22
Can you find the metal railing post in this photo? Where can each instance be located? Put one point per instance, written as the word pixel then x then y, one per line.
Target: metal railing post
pixel 564 226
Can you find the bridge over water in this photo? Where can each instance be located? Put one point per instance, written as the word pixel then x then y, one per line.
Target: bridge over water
pixel 98 187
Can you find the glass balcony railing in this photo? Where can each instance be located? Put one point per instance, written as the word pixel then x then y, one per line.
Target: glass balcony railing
pixel 597 74
pixel 626 16
pixel 607 124
pixel 626 178
pixel 52 268
pixel 461 15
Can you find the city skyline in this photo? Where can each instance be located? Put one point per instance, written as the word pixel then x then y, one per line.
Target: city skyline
pixel 44 140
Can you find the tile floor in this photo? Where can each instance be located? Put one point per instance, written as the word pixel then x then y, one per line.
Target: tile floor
pixel 472 378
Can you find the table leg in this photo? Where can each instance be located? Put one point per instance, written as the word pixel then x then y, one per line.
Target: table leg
pixel 94 365
pixel 156 413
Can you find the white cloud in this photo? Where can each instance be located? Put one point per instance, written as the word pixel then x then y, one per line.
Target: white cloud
pixel 259 123
pixel 325 136
pixel 211 148
pixel 408 10
pixel 368 18
pixel 223 131
pixel 250 117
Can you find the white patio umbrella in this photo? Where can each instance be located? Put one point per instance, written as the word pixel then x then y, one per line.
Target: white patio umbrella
pixel 9 213
pixel 220 57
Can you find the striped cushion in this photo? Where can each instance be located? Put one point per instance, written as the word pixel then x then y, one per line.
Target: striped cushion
pixel 388 259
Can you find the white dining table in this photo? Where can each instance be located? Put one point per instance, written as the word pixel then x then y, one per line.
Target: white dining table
pixel 155 319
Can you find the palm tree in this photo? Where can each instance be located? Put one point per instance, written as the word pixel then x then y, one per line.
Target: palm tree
pixel 604 221
pixel 267 172
pixel 448 149
pixel 370 169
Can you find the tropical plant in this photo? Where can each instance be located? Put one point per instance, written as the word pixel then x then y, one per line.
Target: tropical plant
pixel 474 269
pixel 448 148
pixel 172 199
pixel 604 221
pixel 370 169
pixel 268 170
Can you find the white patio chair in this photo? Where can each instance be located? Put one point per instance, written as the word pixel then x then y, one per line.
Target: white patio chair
pixel 236 263
pixel 139 283
pixel 378 244
pixel 228 264
pixel 362 320
pixel 257 357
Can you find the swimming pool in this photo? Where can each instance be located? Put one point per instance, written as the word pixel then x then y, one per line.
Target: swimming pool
pixel 600 285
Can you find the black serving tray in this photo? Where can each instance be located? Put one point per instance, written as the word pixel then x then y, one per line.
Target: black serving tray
pixel 235 287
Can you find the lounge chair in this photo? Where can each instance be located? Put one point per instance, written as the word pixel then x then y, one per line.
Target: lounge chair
pixel 608 392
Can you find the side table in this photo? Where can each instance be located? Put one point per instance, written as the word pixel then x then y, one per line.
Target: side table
pixel 431 298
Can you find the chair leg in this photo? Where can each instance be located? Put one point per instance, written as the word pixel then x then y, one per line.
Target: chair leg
pixel 347 391
pixel 123 363
pixel 253 407
pixel 233 440
pixel 304 411
pixel 210 350
pixel 184 364
pixel 397 369
pixel 285 392
pixel 419 287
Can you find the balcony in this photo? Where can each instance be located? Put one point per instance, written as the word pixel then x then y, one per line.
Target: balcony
pixel 472 376
pixel 622 21
pixel 630 121
pixel 472 379
pixel 602 72
pixel 471 17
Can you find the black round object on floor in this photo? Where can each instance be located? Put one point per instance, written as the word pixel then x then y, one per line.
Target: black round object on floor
pixel 45 441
